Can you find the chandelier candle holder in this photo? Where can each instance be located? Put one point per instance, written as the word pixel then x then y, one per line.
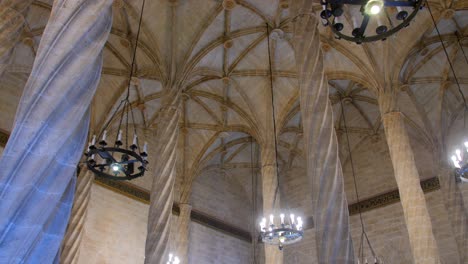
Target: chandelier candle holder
pixel 460 161
pixel 116 163
pixel 121 161
pixel 287 231
pixel 372 20
pixel 173 259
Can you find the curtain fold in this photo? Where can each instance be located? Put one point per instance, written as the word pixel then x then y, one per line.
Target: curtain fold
pixel 50 131
pixel 333 238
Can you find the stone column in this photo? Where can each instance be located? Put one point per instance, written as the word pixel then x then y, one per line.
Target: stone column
pixel 49 134
pixel 270 194
pixel 183 233
pixel 11 27
pixel 333 238
pixel 159 222
pixel 71 241
pixel 457 215
pixel 418 222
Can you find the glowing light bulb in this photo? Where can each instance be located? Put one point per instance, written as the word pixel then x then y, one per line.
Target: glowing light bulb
pixel 373 7
pixel 466 145
pixel 282 239
pixel 292 219
pixel 455 162
pixel 271 219
pixel 458 152
pixel 171 256
pixel 282 218
pixel 176 260
pixel 299 223
pixel 115 167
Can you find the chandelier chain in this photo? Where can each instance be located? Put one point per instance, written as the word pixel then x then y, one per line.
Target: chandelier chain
pixel 135 49
pixel 254 202
pixel 364 234
pixel 274 117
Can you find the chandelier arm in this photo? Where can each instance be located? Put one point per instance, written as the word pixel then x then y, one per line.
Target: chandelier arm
pixel 447 55
pixel 110 119
pixel 254 202
pixel 361 247
pixel 274 118
pixel 370 245
pixel 126 122
pixel 134 126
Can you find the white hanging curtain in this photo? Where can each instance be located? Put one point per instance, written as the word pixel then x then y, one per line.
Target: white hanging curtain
pixel 333 239
pixel 38 164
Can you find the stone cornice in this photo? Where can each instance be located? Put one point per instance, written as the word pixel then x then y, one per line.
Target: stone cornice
pixel 391 197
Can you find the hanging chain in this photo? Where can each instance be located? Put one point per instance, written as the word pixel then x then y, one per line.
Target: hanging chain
pixel 364 234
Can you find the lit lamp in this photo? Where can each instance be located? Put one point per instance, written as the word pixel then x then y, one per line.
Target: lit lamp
pixel 373 7
pixel 173 259
pixel 460 161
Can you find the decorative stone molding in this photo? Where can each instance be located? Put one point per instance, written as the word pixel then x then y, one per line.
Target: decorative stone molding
pixel 226 80
pixel 389 198
pixel 284 4
pixel 118 4
pixel 448 13
pixel 277 34
pixel 229 4
pixel 28 41
pixel 326 47
pixel 228 43
pixel 125 42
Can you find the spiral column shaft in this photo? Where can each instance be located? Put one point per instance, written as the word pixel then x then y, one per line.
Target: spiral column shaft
pixel 38 165
pixel 159 221
pixel 72 239
pixel 333 239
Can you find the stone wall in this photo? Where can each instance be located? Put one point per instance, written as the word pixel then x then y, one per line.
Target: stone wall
pixel 115 229
pixel 209 246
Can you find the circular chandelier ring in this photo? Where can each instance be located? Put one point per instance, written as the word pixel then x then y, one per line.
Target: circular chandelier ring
pixel 361 37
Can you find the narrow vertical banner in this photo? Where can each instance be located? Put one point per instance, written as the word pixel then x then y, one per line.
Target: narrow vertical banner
pixel 38 165
pixel 159 219
pixel 333 238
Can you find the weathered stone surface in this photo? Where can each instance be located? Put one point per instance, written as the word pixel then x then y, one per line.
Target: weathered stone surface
pixel 159 224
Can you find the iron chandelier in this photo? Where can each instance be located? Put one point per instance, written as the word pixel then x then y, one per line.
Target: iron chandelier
pixel 368 20
pixel 120 161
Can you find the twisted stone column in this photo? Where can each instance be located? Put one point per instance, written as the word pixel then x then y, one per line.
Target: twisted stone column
pixel 418 222
pixel 333 239
pixel 72 239
pixel 455 206
pixel 12 22
pixel 159 224
pixel 51 124
pixel 183 233
pixel 270 195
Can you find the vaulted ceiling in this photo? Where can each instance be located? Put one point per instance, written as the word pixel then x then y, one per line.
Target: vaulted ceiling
pixel 216 52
